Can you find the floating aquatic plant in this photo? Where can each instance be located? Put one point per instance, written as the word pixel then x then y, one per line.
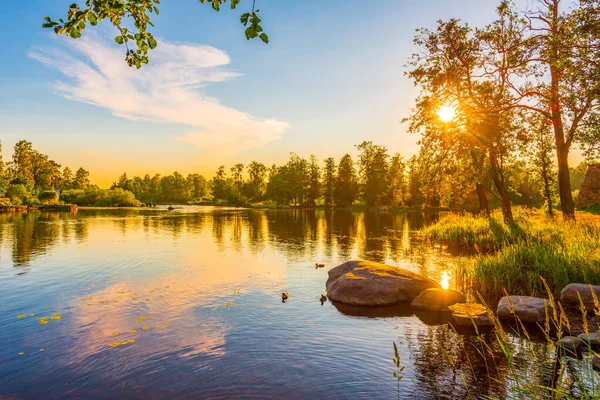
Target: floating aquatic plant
pixel 146 327
pixel 117 333
pixel 20 316
pixel 43 321
pixel 140 319
pixel 124 343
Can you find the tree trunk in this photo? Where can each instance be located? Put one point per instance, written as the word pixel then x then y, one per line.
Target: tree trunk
pixel 564 183
pixel 547 191
pixel 500 186
pixel 483 201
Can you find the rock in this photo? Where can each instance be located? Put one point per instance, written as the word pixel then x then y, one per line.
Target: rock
pixel 591 339
pixel 467 314
pixel 596 362
pixel 589 193
pixel 569 298
pixel 528 309
pixel 366 283
pixel 570 343
pixel 437 299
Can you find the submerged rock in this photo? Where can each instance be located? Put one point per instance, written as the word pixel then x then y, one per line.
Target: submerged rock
pixel 366 283
pixel 467 314
pixel 570 343
pixel 527 308
pixel 569 296
pixel 437 299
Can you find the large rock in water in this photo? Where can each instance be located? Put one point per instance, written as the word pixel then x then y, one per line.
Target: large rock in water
pixel 367 283
pixel 437 299
pixel 528 309
pixel 469 314
pixel 569 297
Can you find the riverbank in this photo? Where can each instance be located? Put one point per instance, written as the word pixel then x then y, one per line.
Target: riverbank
pixel 513 258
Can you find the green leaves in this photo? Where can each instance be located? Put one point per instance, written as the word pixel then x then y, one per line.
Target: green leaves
pixel 137 13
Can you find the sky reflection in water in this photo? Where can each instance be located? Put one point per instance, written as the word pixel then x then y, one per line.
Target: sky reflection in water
pixel 210 283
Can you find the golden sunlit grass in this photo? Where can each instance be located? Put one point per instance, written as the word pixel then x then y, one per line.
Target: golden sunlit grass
pixel 446 113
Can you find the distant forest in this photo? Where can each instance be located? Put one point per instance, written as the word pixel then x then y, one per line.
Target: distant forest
pixel 374 179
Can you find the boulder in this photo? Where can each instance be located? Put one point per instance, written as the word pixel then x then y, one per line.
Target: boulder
pixel 366 283
pixel 570 343
pixel 569 298
pixel 467 314
pixel 590 339
pixel 596 362
pixel 437 299
pixel 527 308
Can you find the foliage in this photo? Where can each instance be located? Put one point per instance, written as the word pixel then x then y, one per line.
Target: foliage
pixel 137 13
pixel 48 197
pixel 18 194
pixel 93 196
pixel 515 256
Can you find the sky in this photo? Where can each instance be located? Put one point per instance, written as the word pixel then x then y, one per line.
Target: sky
pixel 331 77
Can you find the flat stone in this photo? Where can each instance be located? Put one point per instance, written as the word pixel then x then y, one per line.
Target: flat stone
pixel 570 343
pixel 591 339
pixel 366 283
pixel 437 299
pixel 527 308
pixel 569 298
pixel 467 314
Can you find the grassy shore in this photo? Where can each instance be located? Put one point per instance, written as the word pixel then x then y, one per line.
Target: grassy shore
pixel 515 257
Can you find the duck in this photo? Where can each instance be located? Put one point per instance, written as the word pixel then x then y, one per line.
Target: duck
pixel 284 296
pixel 317 265
pixel 171 208
pixel 323 298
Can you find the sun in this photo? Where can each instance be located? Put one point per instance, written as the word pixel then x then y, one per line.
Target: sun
pixel 446 113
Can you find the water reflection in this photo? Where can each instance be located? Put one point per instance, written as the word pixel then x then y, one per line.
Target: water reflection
pixel 207 284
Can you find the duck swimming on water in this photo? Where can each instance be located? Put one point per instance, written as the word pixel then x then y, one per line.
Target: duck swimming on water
pixel 171 208
pixel 317 265
pixel 284 297
pixel 323 299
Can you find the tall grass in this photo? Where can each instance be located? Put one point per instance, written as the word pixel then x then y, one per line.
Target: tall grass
pixel 514 257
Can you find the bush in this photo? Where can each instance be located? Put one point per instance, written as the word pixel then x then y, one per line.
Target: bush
pixel 117 198
pixel 48 197
pixel 17 194
pixel 4 202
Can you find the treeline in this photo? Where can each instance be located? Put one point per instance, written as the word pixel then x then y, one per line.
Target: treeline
pixel 502 105
pixel 375 178
pixel 32 178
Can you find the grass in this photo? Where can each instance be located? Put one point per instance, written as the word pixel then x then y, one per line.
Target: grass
pixel 515 257
pixel 549 374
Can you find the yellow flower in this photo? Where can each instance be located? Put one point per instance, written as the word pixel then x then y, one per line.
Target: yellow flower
pixel 56 317
pixel 140 319
pixel 21 353
pixel 32 315
pixel 43 321
pixel 132 331
pixel 146 327
pixel 116 333
pixel 20 316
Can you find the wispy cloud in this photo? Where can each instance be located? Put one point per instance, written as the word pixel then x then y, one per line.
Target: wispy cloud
pixel 168 90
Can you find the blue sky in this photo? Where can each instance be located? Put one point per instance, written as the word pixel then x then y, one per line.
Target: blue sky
pixel 331 77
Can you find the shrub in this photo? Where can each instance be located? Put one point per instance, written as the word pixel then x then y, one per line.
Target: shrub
pixel 117 198
pixel 48 197
pixel 4 202
pixel 17 193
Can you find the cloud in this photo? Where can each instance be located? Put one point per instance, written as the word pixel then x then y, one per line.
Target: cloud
pixel 168 90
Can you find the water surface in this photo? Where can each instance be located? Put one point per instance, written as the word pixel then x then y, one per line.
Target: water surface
pixel 198 291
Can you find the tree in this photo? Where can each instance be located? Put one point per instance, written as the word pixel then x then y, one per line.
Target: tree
pixel 82 179
pixel 22 163
pixel 396 181
pixel 256 186
pixel 221 189
pixel 3 171
pixel 346 186
pixel 237 172
pixel 329 179
pixel 313 188
pixel 66 180
pixel 566 46
pixel 137 13
pixel 373 168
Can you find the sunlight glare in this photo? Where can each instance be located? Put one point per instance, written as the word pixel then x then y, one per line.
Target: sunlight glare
pixel 446 113
pixel 445 282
